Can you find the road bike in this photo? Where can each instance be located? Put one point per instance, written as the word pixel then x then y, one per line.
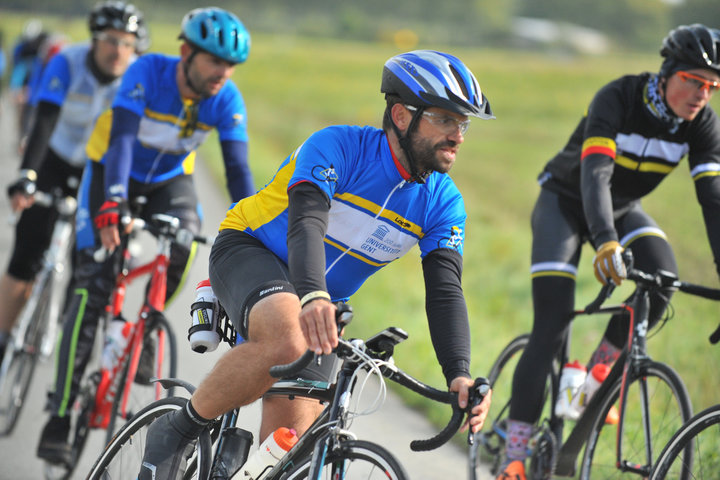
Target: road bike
pixel 651 398
pixel 329 449
pixel 701 434
pixel 109 396
pixel 33 337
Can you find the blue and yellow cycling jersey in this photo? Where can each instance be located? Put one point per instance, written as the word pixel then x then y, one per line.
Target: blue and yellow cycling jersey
pixel 375 215
pixel 171 128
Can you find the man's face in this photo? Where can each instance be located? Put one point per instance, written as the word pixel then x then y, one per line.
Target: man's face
pixel 208 73
pixel 688 91
pixel 113 50
pixel 437 139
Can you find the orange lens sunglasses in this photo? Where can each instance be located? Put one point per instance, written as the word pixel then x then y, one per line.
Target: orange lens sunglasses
pixel 699 82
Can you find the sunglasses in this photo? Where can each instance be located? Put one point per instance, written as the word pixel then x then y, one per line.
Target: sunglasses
pixel 699 82
pixel 446 123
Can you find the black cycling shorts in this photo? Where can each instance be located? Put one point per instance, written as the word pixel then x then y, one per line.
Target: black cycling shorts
pixel 243 271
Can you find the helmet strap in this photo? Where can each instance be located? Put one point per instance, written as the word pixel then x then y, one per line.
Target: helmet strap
pixel 406 144
pixel 186 71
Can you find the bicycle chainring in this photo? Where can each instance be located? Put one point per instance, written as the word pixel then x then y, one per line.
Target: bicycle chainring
pixel 544 454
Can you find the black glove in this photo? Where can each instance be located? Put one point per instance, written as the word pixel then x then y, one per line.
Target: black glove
pixel 111 212
pixel 25 184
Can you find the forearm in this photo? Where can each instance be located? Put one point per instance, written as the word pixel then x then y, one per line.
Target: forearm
pixel 118 158
pixel 307 224
pixel 447 312
pixel 37 145
pixel 237 171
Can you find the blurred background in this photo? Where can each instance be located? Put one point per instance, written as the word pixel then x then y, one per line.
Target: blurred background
pixel 315 63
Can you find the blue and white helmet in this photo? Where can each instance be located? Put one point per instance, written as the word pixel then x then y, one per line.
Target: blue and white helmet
pixel 218 32
pixel 426 78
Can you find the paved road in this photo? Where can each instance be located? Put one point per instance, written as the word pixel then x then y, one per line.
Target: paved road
pixel 393 426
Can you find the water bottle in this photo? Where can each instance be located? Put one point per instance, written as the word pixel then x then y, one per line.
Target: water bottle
pixel 203 334
pixel 269 453
pixel 571 380
pixel 116 339
pixel 597 375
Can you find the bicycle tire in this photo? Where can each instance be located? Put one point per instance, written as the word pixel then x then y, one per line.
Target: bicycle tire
pixel 669 408
pixel 19 365
pixel 141 395
pixel 489 444
pixel 701 434
pixel 356 459
pixel 122 457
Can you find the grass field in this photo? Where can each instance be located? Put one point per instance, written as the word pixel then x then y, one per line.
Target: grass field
pixel 294 86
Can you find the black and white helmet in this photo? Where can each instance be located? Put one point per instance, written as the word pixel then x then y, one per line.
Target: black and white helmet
pixel 695 46
pixel 117 15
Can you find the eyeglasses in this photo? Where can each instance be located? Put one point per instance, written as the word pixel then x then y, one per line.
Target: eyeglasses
pixel 446 123
pixel 115 41
pixel 699 82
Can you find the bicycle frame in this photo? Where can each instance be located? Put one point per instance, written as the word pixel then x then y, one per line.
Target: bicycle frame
pixel 630 360
pixel 154 302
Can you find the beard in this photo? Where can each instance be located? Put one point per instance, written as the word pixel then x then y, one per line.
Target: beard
pixel 426 158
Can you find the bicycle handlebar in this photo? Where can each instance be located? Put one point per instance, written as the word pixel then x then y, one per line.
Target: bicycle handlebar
pixel 655 281
pixel 161 226
pixel 347 348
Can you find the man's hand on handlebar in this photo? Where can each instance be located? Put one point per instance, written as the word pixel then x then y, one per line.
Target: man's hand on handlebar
pixel 608 263
pixel 21 191
pixel 476 419
pixel 107 220
pixel 319 327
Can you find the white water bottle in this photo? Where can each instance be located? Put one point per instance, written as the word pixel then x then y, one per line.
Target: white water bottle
pixel 572 378
pixel 116 339
pixel 597 375
pixel 203 334
pixel 269 453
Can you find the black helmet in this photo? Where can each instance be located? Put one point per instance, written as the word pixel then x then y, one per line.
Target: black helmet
pixel 695 46
pixel 426 78
pixel 121 16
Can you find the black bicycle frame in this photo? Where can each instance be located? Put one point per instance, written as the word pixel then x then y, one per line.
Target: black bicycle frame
pixel 638 308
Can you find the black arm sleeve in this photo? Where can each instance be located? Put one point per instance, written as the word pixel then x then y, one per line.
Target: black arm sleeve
pixel 447 312
pixel 307 224
pixel 37 144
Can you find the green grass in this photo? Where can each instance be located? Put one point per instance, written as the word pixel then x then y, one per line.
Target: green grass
pixel 294 86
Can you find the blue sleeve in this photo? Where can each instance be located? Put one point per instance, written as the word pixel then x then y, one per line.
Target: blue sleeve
pixel 446 228
pixel 136 87
pixel 237 171
pixel 229 107
pixel 55 81
pixel 322 159
pixel 118 159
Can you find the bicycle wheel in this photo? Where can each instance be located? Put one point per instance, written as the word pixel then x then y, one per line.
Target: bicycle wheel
pixel 489 444
pixel 18 364
pixel 701 434
pixel 354 459
pixel 122 457
pixel 132 395
pixel 655 393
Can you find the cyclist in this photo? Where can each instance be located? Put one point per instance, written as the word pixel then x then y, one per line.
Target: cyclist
pixel 164 109
pixel 24 53
pixel 635 132
pixel 347 202
pixel 77 85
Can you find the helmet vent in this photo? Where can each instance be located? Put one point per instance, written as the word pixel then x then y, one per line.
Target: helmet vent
pixel 461 82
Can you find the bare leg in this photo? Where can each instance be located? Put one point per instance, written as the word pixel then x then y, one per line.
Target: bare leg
pixel 13 295
pixel 283 412
pixel 241 376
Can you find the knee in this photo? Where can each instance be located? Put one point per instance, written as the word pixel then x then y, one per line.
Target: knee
pixel 274 322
